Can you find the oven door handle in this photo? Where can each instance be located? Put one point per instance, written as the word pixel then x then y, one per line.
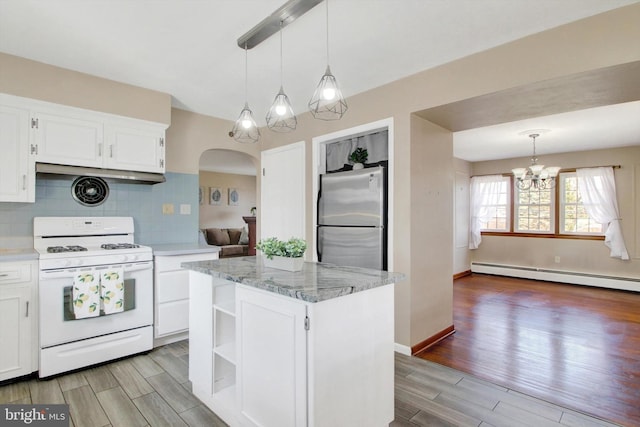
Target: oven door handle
pixel 71 272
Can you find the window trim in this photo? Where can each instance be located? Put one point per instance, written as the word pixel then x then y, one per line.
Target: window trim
pixel 553 235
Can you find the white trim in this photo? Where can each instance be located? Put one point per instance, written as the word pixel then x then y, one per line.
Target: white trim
pixel 402 349
pixel 571 277
pixel 319 144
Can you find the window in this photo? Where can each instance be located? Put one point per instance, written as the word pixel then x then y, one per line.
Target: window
pixel 533 210
pixel 574 218
pixel 499 219
pixel 555 212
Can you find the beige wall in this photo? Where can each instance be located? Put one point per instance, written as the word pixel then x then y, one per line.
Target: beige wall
pixel 575 255
pixel 30 79
pixel 225 216
pixel 600 41
pixel 461 253
pixel 431 295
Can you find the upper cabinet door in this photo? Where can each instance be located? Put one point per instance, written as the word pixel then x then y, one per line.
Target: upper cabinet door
pixel 67 140
pixel 17 182
pixel 138 148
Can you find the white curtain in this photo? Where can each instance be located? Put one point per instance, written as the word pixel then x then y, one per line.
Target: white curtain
pixel 597 188
pixel 484 193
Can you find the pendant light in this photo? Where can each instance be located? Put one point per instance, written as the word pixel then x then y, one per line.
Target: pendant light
pixel 281 117
pixel 245 130
pixel 327 102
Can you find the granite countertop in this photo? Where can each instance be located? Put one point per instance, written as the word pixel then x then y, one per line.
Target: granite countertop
pixel 316 282
pixel 17 254
pixel 172 249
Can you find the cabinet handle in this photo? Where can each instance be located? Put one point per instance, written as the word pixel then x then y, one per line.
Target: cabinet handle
pixel 4 275
pixel 111 151
pixel 24 182
pixel 34 149
pixel 100 150
pixel 27 315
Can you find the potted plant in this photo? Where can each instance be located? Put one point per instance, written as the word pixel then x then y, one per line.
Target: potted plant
pixel 284 255
pixel 358 157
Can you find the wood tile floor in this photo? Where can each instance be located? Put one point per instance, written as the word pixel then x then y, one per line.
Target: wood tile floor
pixel 153 390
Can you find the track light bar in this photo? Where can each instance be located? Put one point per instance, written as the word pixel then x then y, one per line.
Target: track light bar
pixel 286 14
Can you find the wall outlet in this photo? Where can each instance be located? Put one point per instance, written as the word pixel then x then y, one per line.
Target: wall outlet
pixel 557 259
pixel 185 209
pixel 167 209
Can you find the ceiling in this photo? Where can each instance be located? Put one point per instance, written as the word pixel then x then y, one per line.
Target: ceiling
pixel 188 48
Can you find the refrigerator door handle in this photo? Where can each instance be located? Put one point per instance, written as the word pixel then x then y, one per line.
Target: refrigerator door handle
pixel 319 244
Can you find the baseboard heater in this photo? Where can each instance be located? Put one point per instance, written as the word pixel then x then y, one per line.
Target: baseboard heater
pixel 572 277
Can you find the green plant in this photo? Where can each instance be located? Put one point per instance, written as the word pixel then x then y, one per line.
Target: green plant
pixel 272 246
pixel 359 155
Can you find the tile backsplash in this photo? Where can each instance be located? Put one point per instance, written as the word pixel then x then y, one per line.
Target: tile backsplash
pixel 142 202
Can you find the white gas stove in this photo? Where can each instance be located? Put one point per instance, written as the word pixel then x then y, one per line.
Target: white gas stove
pixel 83 323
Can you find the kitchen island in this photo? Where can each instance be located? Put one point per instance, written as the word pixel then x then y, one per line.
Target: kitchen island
pixel 270 347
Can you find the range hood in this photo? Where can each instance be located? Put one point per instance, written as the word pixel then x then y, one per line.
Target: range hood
pixel 109 174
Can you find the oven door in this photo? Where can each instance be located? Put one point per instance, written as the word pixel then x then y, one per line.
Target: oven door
pixel 58 323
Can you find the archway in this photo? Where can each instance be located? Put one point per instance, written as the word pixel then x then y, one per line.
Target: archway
pixel 228 188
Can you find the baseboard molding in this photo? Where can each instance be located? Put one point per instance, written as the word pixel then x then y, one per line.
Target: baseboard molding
pixel 423 345
pixel 462 274
pixel 561 276
pixel 402 349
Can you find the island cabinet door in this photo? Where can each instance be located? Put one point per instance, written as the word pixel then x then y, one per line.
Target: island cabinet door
pixel 272 351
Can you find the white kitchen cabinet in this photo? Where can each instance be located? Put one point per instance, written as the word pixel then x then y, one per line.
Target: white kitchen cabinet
pixel 134 147
pixel 171 299
pixel 65 135
pixel 272 349
pixel 17 174
pixel 18 333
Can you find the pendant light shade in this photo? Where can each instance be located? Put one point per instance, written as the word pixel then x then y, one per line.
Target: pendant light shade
pixel 327 102
pixel 245 129
pixel 281 117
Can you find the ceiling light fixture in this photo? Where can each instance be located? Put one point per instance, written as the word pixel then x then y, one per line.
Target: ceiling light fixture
pixel 281 117
pixel 536 176
pixel 245 130
pixel 327 102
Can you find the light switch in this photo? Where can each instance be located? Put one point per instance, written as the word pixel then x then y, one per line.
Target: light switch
pixel 185 209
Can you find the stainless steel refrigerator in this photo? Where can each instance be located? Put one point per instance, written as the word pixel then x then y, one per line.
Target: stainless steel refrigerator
pixel 352 218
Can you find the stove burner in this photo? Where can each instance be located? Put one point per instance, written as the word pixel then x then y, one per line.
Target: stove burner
pixel 71 248
pixel 119 246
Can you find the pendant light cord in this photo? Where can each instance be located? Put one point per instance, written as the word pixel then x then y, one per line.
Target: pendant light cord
pixel 281 67
pixel 327 18
pixel 246 75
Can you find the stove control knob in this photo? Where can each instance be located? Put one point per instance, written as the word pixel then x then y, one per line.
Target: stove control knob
pixel 66 263
pixel 79 262
pixel 124 258
pixel 134 257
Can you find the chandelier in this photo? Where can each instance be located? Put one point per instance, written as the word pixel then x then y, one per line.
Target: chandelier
pixel 536 176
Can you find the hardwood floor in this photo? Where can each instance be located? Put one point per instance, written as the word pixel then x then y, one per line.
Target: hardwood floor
pixel 575 346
